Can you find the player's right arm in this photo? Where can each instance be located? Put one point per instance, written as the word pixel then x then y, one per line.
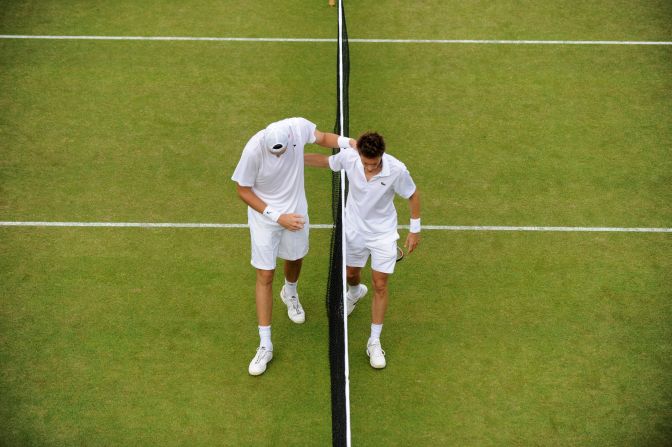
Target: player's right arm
pixel 292 222
pixel 250 198
pixel 316 160
pixel 335 162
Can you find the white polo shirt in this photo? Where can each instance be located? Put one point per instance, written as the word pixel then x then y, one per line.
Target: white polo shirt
pixel 370 205
pixel 278 181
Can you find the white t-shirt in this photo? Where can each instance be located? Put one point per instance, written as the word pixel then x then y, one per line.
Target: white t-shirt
pixel 278 181
pixel 370 205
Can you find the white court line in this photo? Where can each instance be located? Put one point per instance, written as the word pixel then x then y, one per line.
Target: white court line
pixel 514 42
pixel 559 229
pixel 135 225
pixel 289 39
pixel 329 226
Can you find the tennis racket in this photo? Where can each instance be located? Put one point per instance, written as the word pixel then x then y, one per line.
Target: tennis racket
pixel 400 253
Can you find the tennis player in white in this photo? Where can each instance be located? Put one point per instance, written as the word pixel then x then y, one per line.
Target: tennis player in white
pixel 269 179
pixel 371 223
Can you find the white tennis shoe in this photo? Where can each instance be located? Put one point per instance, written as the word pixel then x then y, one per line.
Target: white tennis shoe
pixel 294 309
pixel 260 360
pixel 353 300
pixel 376 354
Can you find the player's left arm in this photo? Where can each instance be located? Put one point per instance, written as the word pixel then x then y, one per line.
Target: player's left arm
pixel 413 238
pixel 332 140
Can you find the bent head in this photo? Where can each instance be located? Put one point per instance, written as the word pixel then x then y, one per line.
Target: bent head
pixel 276 138
pixel 371 147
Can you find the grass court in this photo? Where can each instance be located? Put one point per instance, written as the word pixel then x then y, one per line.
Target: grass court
pixel 142 336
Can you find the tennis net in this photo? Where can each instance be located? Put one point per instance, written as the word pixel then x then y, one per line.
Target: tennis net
pixel 338 353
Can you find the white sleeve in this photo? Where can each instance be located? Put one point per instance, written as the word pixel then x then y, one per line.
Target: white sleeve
pixel 339 159
pixel 404 186
pixel 306 129
pixel 247 169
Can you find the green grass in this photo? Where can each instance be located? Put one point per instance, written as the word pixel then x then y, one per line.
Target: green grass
pixel 200 18
pixel 130 131
pixel 136 337
pixel 528 20
pixel 522 339
pixel 142 337
pixel 525 135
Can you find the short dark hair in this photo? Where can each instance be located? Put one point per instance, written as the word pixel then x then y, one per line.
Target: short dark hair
pixel 371 145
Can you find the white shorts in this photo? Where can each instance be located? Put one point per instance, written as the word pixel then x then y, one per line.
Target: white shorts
pixel 270 240
pixel 383 250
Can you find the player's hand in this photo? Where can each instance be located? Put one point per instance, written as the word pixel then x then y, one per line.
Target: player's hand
pixel 292 222
pixel 412 241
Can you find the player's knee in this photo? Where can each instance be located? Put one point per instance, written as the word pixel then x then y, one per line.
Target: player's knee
pixel 265 277
pixel 379 284
pixel 352 275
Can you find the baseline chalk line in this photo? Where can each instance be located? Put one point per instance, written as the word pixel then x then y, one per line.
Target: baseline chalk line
pixel 331 40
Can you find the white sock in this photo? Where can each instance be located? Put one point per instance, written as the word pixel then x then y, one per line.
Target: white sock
pixel 353 290
pixel 376 329
pixel 290 287
pixel 265 337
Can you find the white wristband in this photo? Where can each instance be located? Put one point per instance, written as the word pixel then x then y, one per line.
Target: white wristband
pixel 415 226
pixel 271 214
pixel 343 142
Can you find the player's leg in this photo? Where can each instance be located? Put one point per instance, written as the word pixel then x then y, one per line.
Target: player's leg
pixel 265 240
pixel 264 304
pixel 289 293
pixel 356 290
pixel 263 292
pixel 293 247
pixel 380 297
pixel 293 270
pixel 356 256
pixel 353 275
pixel 374 348
pixel 383 259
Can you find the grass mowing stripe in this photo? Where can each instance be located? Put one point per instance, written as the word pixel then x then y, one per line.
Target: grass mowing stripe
pixel 329 226
pixel 298 39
